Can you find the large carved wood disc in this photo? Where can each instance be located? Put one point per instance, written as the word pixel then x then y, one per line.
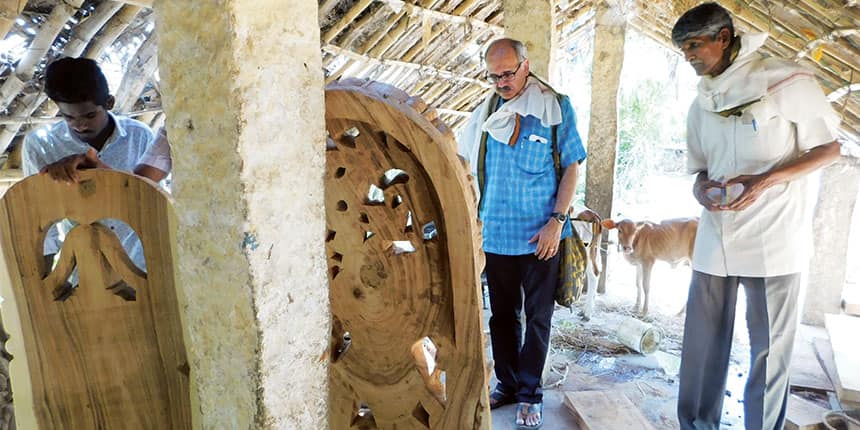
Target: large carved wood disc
pixel 404 265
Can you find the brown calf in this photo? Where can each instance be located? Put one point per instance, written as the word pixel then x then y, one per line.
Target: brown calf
pixel 645 242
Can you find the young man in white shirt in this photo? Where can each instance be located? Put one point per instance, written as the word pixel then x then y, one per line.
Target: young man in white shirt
pixel 88 137
pixel 758 126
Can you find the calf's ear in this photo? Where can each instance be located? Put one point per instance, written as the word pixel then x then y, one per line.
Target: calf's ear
pixel 608 224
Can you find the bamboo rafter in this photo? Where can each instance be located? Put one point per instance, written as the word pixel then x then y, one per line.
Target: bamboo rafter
pixel 421 68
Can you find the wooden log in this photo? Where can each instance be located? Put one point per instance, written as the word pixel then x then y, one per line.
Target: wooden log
pixel 605 410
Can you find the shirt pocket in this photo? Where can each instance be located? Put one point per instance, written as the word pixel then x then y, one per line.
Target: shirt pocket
pixel 754 143
pixel 534 154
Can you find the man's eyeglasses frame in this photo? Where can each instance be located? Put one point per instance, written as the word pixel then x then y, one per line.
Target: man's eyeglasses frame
pixel 504 77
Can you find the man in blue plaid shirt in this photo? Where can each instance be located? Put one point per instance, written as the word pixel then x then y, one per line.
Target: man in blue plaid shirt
pixel 524 210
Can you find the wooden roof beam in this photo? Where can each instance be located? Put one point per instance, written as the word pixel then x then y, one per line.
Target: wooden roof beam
pixel 831 37
pixel 141 3
pixel 442 16
pixel 421 68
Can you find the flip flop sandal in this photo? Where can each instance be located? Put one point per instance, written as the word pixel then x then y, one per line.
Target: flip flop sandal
pixel 531 409
pixel 499 398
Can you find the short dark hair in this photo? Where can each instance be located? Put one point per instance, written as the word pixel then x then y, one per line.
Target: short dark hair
pixel 706 19
pixel 76 80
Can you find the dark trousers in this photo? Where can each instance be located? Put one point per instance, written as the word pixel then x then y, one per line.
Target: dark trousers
pixel 514 280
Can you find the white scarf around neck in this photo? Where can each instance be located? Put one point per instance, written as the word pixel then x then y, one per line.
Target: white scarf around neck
pixel 740 83
pixel 536 100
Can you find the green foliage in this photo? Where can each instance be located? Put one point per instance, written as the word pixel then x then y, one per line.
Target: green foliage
pixel 648 125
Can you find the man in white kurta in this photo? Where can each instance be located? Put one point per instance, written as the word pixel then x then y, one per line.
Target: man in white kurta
pixel 758 126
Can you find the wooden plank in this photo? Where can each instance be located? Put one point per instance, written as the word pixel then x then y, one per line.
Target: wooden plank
pixel 843 331
pixel 803 414
pixel 605 410
pixel 806 371
pixel 94 359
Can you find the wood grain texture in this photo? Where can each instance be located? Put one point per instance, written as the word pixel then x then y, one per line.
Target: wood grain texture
pixel 388 301
pixel 95 359
pixel 605 410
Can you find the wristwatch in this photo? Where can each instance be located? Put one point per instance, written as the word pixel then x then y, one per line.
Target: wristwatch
pixel 558 216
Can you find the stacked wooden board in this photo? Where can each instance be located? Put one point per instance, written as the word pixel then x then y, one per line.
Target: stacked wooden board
pixel 843 330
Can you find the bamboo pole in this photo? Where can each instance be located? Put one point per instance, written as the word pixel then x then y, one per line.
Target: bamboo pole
pixel 39 120
pixel 120 21
pixel 383 31
pixel 138 73
pixel 345 20
pixel 9 10
pixel 38 48
pixel 422 68
pixel 441 16
pixel 359 25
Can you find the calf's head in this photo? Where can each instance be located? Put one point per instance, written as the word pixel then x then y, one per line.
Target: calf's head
pixel 627 230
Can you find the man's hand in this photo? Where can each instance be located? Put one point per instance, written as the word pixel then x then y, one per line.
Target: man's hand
pixel 66 169
pixel 548 239
pixel 754 186
pixel 700 189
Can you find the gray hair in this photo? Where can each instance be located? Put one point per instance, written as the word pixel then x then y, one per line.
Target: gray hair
pixel 517 46
pixel 706 19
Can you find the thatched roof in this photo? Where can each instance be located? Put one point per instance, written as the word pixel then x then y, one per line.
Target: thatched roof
pixel 429 48
pixel 823 35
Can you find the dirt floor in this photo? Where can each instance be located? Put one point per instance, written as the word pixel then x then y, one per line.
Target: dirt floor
pixel 586 355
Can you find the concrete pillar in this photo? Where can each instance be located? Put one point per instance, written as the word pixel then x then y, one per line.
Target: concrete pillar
pixel 609 30
pixel 529 21
pixel 243 93
pixel 831 228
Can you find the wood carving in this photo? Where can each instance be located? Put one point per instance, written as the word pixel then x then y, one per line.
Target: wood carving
pixel 405 258
pixel 109 353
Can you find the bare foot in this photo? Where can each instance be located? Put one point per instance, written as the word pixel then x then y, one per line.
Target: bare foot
pixel 529 416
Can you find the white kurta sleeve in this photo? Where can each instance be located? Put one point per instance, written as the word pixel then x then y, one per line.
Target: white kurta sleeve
pixel 696 161
pixel 803 103
pixel 158 154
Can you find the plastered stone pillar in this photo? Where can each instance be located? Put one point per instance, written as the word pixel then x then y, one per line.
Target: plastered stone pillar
pixel 831 228
pixel 609 29
pixel 529 21
pixel 243 93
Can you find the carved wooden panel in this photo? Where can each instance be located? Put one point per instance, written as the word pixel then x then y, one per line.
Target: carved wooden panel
pixel 404 265
pixel 109 353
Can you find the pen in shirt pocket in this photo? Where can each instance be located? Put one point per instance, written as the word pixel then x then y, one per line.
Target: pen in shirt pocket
pixel 754 125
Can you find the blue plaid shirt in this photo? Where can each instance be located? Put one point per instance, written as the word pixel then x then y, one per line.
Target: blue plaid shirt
pixel 520 183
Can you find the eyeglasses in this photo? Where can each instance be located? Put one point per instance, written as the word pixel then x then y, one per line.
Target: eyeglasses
pixel 506 76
